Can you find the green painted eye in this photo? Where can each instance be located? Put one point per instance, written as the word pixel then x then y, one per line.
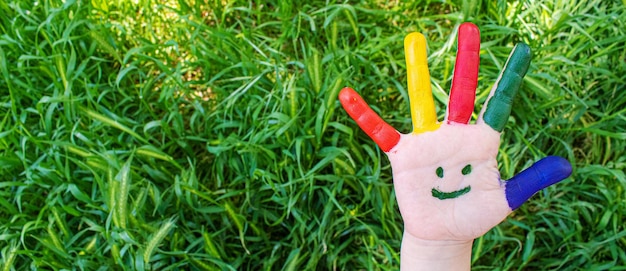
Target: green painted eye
pixel 466 170
pixel 439 172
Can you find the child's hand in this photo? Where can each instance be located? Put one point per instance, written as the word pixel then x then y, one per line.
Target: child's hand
pixel 445 174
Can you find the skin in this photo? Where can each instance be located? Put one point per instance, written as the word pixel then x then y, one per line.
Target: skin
pixel 443 212
pixel 450 195
pixel 453 194
pixel 423 112
pixel 462 93
pixel 414 162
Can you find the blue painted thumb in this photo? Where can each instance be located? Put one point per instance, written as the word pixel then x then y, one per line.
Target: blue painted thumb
pixel 543 173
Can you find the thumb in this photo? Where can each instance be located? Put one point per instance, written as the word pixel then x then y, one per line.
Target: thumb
pixel 543 173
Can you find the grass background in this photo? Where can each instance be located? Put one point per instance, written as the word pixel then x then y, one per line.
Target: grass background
pixel 176 135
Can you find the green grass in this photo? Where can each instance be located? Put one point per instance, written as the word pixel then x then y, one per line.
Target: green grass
pixel 183 136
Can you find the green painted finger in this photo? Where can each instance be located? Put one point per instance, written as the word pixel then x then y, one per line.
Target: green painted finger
pixel 498 105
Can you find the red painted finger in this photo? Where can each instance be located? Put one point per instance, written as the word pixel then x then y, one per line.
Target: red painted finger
pixel 463 91
pixel 385 136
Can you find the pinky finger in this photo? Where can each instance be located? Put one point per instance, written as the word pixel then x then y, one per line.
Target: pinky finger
pixel 385 136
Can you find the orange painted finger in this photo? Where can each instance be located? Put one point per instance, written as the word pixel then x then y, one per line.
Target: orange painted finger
pixel 385 136
pixel 463 91
pixel 423 111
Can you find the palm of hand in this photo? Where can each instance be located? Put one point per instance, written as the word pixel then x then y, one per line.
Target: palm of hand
pixel 445 174
pixel 447 182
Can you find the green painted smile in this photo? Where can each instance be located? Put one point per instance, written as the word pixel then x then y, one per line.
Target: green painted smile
pixel 450 195
pixel 454 194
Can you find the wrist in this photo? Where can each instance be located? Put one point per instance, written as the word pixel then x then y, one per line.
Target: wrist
pixel 419 254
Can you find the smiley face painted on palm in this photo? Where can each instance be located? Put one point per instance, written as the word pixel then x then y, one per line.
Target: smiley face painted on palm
pixel 445 173
pixel 453 194
pixel 429 197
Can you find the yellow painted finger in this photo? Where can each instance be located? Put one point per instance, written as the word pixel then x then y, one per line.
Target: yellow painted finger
pixel 418 79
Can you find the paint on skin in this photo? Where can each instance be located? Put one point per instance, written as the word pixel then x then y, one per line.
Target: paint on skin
pixel 439 172
pixel 385 136
pixel 454 194
pixel 465 79
pixel 540 175
pixel 450 195
pixel 423 112
pixel 499 105
pixel 466 170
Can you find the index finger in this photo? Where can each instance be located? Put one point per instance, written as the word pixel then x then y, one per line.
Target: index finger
pixel 423 112
pixel 497 108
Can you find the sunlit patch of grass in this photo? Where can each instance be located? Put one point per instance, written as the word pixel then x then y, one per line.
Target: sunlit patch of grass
pixel 192 135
